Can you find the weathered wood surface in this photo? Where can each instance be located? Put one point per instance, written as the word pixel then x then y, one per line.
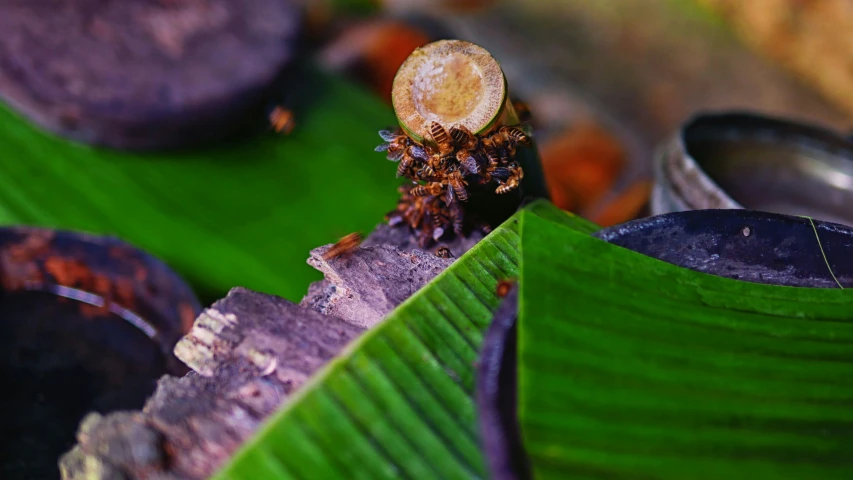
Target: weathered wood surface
pixel 248 352
pixel 364 287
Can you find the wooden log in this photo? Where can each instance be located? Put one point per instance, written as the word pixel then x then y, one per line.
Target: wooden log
pixel 388 267
pixel 248 353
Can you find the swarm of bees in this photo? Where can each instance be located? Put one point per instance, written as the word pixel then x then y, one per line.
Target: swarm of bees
pixel 446 170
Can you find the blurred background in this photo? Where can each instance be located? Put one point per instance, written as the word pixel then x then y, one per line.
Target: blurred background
pixel 149 120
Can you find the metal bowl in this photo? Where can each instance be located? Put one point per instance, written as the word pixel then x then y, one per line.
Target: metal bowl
pixel 743 160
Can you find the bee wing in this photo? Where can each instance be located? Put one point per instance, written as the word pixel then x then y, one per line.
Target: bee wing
pixel 525 138
pixel 418 152
pixel 382 148
pixel 387 135
pixel 501 173
pixel 470 164
pixel 437 233
pixel 449 196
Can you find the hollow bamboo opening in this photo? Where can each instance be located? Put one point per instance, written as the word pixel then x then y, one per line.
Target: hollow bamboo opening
pixel 451 82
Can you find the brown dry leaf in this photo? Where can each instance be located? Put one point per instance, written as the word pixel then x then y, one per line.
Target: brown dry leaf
pixel 581 165
pixel 626 206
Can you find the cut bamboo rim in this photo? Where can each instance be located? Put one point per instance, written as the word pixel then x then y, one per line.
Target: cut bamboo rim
pixel 451 82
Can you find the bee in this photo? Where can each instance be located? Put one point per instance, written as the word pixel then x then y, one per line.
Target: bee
pixel 515 135
pixel 411 155
pixel 443 252
pixel 439 219
pixel 345 246
pixel 505 140
pixel 515 174
pixel 503 287
pixel 498 154
pixel 401 148
pixel 457 184
pixel 415 214
pixel 432 188
pixel 433 164
pixel 468 162
pixel 410 210
pixel 405 164
pixel 282 120
pixel 433 229
pixel 467 144
pixel 426 172
pixel 441 139
pixel 436 163
pixel 396 144
pixel 442 168
pixel 463 138
pixel 439 222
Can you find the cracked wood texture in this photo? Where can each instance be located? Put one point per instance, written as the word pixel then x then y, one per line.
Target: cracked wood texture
pixel 248 352
pixel 143 74
pixel 364 287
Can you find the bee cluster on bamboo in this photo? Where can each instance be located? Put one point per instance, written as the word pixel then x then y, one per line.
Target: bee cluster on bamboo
pixel 446 169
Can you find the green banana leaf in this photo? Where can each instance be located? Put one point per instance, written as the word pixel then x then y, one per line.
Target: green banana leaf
pixel 630 367
pixel 241 214
pixel 399 401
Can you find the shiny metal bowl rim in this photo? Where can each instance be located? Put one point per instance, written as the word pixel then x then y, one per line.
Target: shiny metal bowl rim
pixel 676 167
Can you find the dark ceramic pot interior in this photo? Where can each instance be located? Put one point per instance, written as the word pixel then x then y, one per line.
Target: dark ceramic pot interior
pixel 774 165
pixel 746 245
pixel 58 363
pixel 87 324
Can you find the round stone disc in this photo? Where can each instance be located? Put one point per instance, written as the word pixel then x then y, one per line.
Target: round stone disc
pixel 143 74
pixel 451 82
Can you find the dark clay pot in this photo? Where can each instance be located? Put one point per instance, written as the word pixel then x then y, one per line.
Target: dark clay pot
pixel 86 324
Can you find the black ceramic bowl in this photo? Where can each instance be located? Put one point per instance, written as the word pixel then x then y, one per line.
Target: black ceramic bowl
pixel 86 324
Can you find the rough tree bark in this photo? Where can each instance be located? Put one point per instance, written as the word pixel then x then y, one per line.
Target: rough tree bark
pixel 248 352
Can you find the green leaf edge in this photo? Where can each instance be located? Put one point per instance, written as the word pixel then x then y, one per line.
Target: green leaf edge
pixel 808 304
pixel 542 208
